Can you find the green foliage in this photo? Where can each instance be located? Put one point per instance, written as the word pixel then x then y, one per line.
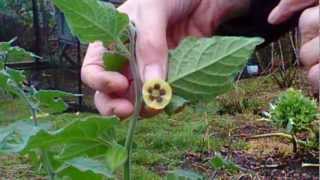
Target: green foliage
pixel 115 156
pixel 94 167
pixel 15 137
pixel 89 137
pixel 294 111
pixel 91 20
pixel 52 100
pixel 175 105
pixel 219 163
pixel 114 62
pixel 8 53
pixel 201 69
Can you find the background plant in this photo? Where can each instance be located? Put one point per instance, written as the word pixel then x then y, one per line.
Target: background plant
pixel 294 112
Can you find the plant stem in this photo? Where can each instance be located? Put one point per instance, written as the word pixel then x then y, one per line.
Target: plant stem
pixel 138 102
pixel 294 143
pixel 44 154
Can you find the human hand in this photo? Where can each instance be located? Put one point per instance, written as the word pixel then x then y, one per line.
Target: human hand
pixel 161 25
pixel 309 25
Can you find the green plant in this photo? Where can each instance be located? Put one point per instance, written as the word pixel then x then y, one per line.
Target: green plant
pixel 220 163
pixel 294 111
pixel 200 69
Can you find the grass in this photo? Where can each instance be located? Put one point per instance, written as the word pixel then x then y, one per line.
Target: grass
pixel 162 142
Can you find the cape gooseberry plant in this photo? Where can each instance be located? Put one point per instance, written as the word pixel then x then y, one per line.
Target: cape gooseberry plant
pixel 199 70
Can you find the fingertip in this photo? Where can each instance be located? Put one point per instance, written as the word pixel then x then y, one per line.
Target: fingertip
pixel 123 108
pixel 279 15
pixel 272 17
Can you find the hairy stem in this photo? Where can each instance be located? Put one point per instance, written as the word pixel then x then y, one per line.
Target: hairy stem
pixel 138 102
pixel 33 109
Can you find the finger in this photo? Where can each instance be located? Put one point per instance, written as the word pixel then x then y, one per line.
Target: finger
pixel 310 52
pixel 309 24
pixel 151 45
pixel 152 48
pixel 94 75
pixel 286 8
pixel 107 106
pixel 314 77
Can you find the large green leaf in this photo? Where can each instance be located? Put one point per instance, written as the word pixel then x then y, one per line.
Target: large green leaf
pixel 201 69
pixel 115 156
pixel 52 100
pixel 69 172
pixel 92 20
pixel 15 137
pixel 89 168
pixel 89 137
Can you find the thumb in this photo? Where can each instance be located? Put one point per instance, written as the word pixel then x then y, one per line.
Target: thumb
pixel 286 8
pixel 150 18
pixel 152 52
pixel 151 44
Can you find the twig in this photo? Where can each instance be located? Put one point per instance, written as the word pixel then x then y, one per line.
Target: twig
pixel 288 136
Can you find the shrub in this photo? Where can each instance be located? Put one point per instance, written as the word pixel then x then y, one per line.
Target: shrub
pixel 294 111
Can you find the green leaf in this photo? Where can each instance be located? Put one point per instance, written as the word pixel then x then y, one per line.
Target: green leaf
pixel 86 164
pixel 87 137
pixel 15 137
pixel 183 175
pixel 16 75
pixel 52 100
pixel 217 162
pixel 201 69
pixel 115 156
pixel 175 105
pixel 69 172
pixel 15 54
pixel 91 20
pixel 114 62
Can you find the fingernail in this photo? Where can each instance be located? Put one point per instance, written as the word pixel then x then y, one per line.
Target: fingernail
pixel 152 71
